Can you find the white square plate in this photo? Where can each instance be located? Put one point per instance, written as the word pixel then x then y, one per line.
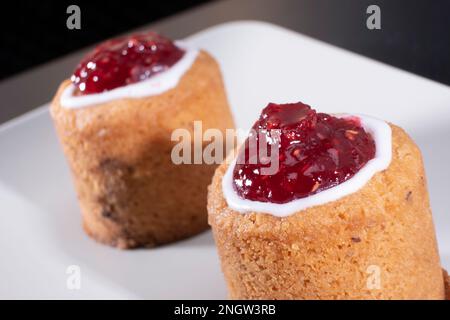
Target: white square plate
pixel 40 224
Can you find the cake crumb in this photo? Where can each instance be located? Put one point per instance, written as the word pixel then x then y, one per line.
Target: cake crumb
pixel 408 195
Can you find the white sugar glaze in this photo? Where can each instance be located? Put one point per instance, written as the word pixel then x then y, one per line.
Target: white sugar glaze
pixel 157 84
pixel 382 136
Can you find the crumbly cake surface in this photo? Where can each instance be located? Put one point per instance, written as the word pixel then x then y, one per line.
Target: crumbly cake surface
pixel 377 243
pixel 119 152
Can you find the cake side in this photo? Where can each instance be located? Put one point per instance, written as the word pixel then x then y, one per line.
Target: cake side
pixel 446 284
pixel 341 249
pixel 130 192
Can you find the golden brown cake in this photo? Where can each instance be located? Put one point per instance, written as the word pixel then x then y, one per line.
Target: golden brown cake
pixel 376 243
pixel 130 192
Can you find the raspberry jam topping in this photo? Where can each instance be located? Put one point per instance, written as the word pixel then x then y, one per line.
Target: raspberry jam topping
pixel 123 61
pixel 316 151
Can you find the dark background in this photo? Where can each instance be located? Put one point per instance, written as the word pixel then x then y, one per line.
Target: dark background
pixel 33 32
pixel 415 35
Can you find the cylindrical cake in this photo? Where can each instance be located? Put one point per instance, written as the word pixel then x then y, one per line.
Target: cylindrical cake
pixel 130 192
pixel 376 243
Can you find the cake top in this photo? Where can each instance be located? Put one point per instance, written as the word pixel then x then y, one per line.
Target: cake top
pixel 315 152
pixel 125 60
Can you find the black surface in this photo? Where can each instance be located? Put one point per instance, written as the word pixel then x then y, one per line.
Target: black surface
pixel 33 32
pixel 415 35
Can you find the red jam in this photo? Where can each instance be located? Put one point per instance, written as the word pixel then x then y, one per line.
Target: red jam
pixel 124 60
pixel 316 151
